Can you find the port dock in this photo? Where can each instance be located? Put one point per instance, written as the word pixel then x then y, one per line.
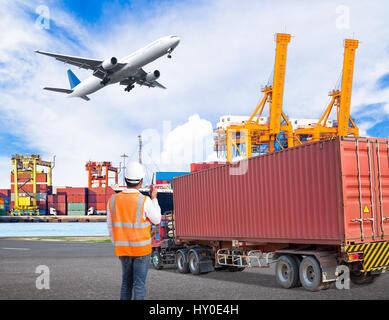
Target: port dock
pixel 8 219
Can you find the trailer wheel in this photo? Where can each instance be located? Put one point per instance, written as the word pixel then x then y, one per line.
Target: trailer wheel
pixel 156 259
pixel 287 272
pixel 298 261
pixel 360 278
pixel 311 274
pixel 194 264
pixel 182 264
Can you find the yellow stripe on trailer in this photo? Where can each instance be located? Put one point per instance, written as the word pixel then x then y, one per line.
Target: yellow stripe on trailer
pixel 375 255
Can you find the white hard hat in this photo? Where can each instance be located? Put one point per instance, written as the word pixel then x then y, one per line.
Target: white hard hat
pixel 134 172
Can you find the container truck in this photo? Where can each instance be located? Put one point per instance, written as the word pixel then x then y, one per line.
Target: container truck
pixel 311 210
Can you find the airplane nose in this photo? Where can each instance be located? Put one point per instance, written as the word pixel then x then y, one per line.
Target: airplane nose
pixel 175 41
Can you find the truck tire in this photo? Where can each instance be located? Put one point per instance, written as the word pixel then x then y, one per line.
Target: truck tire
pixel 194 263
pixel 298 259
pixel 311 274
pixel 182 262
pixel 156 259
pixel 360 278
pixel 287 272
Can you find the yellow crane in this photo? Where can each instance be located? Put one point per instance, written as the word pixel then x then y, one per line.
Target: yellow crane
pixel 341 99
pixel 252 134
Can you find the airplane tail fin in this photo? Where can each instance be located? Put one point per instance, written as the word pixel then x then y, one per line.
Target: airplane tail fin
pixel 73 80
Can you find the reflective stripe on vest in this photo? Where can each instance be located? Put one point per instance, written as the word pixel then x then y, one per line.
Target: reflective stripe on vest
pixel 138 223
pixel 113 206
pixel 132 244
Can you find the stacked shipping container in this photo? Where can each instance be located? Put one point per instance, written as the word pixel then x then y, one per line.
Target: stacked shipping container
pixel 76 200
pixel 57 202
pixel 3 209
pixel 98 198
pixel 4 201
pixel 66 201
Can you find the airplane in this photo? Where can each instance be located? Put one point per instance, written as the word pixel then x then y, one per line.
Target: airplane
pixel 127 71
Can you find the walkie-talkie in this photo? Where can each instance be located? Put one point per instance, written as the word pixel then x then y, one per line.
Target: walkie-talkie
pixel 152 185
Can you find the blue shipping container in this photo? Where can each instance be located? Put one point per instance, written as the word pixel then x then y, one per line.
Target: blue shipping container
pixel 169 175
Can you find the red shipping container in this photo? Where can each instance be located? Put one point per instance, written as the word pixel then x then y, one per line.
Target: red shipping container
pixel 110 191
pixel 5 192
pixel 61 198
pixel 61 191
pixel 100 206
pixel 56 198
pixel 40 177
pixel 194 167
pixel 97 198
pixel 76 191
pixel 72 198
pixel 96 191
pixel 163 182
pixel 317 193
pixel 59 207
pixel 40 188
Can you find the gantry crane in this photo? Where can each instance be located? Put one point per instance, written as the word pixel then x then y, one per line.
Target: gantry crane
pixel 277 131
pixel 99 172
pixel 345 125
pixel 27 165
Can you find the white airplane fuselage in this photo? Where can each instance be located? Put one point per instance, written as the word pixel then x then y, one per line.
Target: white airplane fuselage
pixel 133 62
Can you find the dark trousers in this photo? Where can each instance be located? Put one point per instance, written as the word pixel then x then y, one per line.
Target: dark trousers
pixel 134 273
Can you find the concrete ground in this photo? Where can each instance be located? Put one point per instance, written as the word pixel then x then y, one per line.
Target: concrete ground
pixel 90 271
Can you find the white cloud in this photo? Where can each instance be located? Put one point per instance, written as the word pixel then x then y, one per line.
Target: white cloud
pixel 187 143
pixel 226 53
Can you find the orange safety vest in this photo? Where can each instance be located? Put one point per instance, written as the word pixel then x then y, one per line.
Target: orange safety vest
pixel 131 232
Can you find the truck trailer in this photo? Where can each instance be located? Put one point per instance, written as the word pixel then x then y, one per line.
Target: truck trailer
pixel 315 211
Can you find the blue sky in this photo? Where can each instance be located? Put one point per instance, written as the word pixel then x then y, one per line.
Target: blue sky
pixel 226 53
pixel 383 82
pixel 93 12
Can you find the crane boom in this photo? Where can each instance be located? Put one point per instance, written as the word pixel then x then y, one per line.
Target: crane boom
pixel 251 136
pixel 347 83
pixel 282 41
pixel 341 101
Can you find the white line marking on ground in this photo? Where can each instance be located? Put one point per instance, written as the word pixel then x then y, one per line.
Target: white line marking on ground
pixel 22 249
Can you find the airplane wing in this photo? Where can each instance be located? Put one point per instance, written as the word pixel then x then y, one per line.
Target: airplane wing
pixel 157 84
pixel 140 78
pixel 85 63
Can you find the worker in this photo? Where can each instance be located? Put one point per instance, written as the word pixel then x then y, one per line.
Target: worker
pixel 129 218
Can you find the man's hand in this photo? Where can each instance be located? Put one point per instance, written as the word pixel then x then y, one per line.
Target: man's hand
pixel 153 193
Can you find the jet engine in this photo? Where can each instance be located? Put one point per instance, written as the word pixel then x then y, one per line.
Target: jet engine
pixel 152 76
pixel 109 63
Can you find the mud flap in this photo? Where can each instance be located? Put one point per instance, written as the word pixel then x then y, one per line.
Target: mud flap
pixel 206 266
pixel 204 257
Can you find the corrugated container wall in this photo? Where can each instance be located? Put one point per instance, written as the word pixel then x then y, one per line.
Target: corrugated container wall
pixel 307 194
pixel 98 198
pixel 57 202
